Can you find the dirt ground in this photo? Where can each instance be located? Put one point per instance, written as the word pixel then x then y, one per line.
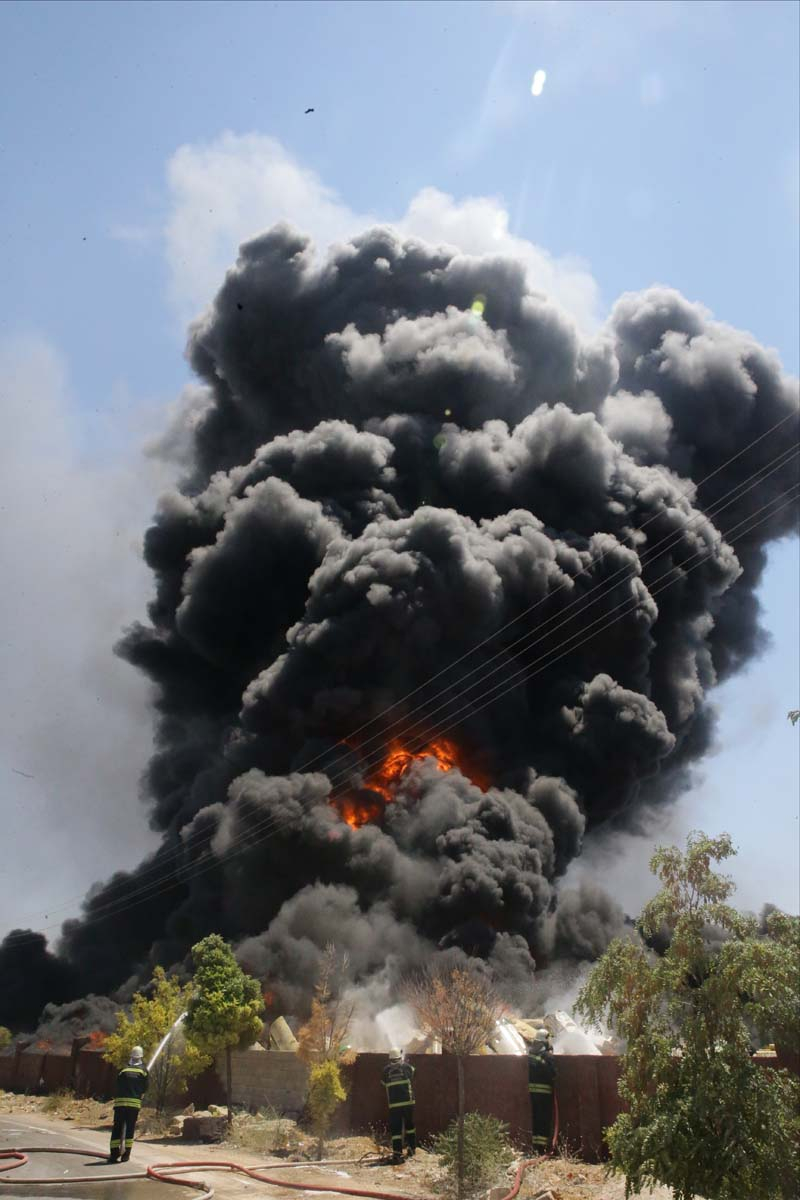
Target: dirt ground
pixel 269 1138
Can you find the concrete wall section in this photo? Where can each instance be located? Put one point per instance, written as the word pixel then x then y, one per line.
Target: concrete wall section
pixel 267 1078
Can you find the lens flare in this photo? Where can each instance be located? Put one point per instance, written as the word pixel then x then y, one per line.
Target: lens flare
pixel 537 87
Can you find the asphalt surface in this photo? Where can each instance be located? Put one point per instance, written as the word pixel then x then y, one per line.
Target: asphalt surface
pixel 20 1132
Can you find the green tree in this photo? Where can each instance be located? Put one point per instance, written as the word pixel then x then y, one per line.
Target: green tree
pixel 487 1153
pixel 460 1008
pixel 704 1118
pixel 226 1005
pixel 5 1037
pixel 150 1018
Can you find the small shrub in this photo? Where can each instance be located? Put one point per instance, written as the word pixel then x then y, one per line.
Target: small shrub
pixel 266 1131
pixel 58 1100
pixel 325 1094
pixel 487 1153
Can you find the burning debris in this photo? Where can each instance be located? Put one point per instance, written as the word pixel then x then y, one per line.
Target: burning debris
pixel 445 589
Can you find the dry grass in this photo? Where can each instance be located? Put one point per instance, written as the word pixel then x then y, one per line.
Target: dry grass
pixel 58 1102
pixel 267 1132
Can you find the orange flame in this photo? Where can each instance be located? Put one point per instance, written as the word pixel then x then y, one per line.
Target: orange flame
pixel 359 808
pixel 96 1039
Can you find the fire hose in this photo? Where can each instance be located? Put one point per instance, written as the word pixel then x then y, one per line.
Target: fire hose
pixel 168 1172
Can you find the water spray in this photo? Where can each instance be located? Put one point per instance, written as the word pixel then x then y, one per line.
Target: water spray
pixel 165 1039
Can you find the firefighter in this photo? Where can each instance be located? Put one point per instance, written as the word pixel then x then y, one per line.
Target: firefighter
pixel 131 1086
pixel 398 1079
pixel 541 1085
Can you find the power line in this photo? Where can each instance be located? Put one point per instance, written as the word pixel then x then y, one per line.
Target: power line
pixel 501 655
pixel 272 823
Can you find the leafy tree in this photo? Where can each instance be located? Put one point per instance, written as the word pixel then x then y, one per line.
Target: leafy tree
pixel 487 1153
pixel 5 1037
pixel 322 1043
pixel 226 1005
pixel 704 1118
pixel 460 1008
pixel 150 1018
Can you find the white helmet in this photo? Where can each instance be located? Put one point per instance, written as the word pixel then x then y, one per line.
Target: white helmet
pixel 395 1054
pixel 137 1054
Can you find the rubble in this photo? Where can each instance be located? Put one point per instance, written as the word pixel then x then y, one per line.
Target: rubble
pixel 205 1126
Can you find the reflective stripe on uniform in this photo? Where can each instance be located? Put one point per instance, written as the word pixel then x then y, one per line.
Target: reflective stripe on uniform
pixel 127 1102
pixel 544 1089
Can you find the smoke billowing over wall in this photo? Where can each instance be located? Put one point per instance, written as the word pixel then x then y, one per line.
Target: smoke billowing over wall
pixel 420 511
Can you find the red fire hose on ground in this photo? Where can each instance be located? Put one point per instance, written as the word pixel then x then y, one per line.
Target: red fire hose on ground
pixel 173 1172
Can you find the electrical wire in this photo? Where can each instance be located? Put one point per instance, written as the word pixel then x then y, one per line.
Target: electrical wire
pixel 272 823
pixel 736 492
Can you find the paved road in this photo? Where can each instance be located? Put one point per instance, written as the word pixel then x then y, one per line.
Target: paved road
pixel 24 1131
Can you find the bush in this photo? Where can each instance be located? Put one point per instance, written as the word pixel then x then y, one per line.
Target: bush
pixel 325 1094
pixel 58 1100
pixel 487 1153
pixel 266 1131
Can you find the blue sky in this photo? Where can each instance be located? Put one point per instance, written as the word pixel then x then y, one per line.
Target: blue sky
pixel 140 142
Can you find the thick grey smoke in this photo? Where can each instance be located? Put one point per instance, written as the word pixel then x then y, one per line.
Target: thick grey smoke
pixel 390 457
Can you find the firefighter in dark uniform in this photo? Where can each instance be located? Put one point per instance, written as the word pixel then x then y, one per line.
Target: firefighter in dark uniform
pixel 541 1085
pixel 398 1079
pixel 131 1086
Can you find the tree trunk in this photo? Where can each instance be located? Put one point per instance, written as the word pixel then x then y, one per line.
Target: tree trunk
pixel 229 1084
pixel 460 1142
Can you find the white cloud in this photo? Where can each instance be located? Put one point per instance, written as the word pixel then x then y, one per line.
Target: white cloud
pixel 73 718
pixel 229 190
pixel 226 191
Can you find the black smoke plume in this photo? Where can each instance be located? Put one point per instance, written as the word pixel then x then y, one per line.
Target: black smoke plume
pixel 398 457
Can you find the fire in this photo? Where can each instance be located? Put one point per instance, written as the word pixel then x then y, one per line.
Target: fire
pixel 368 804
pixel 97 1040
pixel 399 759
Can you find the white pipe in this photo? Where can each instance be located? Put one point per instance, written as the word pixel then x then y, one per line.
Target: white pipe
pixel 165 1039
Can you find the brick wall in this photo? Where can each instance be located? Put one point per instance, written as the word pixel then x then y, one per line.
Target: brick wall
pixel 267 1077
